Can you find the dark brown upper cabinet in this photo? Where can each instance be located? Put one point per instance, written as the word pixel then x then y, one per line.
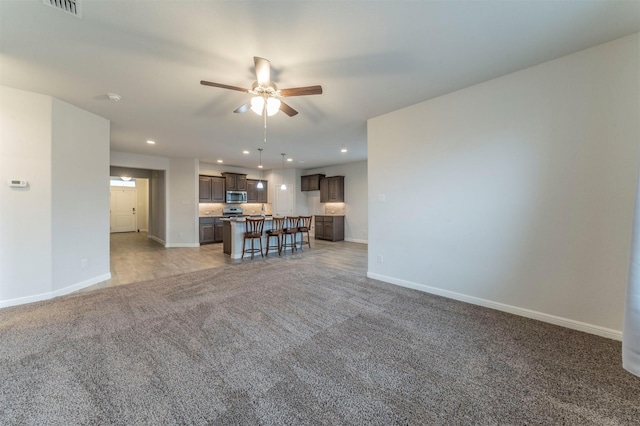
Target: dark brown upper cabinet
pixel 235 182
pixel 212 189
pixel 332 189
pixel 255 194
pixel 310 182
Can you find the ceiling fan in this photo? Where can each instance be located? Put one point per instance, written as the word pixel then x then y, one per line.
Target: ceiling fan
pixel 266 99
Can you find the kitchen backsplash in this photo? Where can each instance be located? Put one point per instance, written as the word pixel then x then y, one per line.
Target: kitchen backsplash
pixel 256 209
pixel 334 208
pixel 215 209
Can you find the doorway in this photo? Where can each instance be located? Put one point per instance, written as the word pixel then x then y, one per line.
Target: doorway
pixel 122 209
pixel 150 211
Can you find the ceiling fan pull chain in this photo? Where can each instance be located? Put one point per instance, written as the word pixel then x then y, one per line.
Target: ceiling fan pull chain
pixel 265 123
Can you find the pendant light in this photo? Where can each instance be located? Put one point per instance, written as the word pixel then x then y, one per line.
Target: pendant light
pixel 260 185
pixel 283 186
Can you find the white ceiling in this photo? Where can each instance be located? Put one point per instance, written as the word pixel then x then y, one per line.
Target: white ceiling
pixel 371 57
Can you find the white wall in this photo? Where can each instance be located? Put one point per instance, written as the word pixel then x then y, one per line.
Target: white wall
pixel 80 182
pixel 49 227
pixel 25 214
pixel 517 193
pixel 210 169
pixel 183 225
pixel 355 195
pixel 138 161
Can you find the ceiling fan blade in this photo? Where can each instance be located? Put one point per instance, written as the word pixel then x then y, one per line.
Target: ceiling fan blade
pixel 287 109
pixel 243 108
pixel 223 86
pixel 301 91
pixel 263 71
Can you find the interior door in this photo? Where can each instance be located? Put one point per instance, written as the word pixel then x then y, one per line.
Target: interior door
pixel 284 201
pixel 123 209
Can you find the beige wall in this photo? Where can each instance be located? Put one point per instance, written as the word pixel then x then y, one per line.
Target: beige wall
pixel 517 193
pixel 54 233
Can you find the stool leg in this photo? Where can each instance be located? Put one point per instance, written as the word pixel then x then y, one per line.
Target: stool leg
pixel 260 240
pixel 244 240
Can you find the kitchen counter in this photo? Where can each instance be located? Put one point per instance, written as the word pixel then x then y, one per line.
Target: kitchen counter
pixel 244 219
pixel 233 235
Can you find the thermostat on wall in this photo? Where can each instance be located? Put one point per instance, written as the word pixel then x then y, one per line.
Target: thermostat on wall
pixel 18 183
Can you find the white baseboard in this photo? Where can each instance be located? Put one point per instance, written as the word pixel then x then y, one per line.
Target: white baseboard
pixel 56 293
pixel 156 239
pixel 355 240
pixel 176 245
pixel 143 230
pixel 528 313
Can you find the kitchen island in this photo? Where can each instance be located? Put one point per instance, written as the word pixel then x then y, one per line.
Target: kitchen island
pixel 233 235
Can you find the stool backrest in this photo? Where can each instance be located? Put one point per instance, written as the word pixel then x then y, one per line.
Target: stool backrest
pixel 254 226
pixel 277 224
pixel 293 222
pixel 305 222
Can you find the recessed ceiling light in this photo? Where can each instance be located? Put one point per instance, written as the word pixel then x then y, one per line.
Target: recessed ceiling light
pixel 219 161
pixel 151 142
pixel 260 166
pixel 289 159
pixel 245 151
pixel 343 150
pixel 114 97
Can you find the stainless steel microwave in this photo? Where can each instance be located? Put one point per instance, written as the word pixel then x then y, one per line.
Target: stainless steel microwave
pixel 236 197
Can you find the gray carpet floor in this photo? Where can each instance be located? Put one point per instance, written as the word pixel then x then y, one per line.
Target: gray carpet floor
pixel 298 342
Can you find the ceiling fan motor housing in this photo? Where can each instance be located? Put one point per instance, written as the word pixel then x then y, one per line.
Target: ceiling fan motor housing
pixel 271 90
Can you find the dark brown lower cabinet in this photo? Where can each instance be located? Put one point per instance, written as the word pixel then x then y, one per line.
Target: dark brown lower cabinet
pixel 210 230
pixel 329 228
pixel 217 231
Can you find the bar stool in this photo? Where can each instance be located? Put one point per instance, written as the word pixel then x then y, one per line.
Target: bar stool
pixel 291 230
pixel 304 226
pixel 277 226
pixel 253 230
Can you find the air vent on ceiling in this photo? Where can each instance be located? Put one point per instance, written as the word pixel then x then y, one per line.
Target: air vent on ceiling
pixel 72 7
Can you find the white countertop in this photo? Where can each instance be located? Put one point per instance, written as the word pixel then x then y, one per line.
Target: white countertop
pixel 244 219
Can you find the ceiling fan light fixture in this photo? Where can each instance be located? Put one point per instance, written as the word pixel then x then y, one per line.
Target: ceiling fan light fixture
pixel 257 105
pixel 273 106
